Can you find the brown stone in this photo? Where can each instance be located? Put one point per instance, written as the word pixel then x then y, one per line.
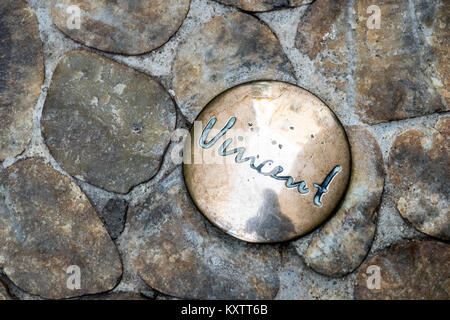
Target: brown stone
pixel 21 75
pixel 180 254
pixel 47 225
pixel 106 123
pixel 420 179
pixel 392 77
pixel 264 5
pixel 125 27
pixel 227 51
pixel 414 270
pixel 344 241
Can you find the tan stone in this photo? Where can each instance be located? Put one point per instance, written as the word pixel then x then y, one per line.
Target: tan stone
pixel 344 241
pixel 420 179
pixel 126 26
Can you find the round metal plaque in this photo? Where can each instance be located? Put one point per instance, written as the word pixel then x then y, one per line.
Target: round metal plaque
pixel 267 161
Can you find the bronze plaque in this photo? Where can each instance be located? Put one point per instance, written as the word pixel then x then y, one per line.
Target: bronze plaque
pixel 267 161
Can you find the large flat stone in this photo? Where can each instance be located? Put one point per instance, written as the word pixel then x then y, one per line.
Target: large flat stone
pixel 227 51
pixel 414 270
pixel 344 241
pixel 46 225
pixel 395 76
pixel 126 26
pixel 21 75
pixel 419 165
pixel 106 123
pixel 181 254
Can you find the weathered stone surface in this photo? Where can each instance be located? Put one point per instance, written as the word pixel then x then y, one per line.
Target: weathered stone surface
pixel 413 270
pixel 396 72
pixel 126 26
pixel 4 294
pixel 341 245
pixel 113 216
pixel 264 5
pixel 434 23
pixel 105 123
pixel 420 179
pixel 227 51
pixel 181 254
pixel 46 225
pixel 21 75
pixel 394 76
pixel 322 40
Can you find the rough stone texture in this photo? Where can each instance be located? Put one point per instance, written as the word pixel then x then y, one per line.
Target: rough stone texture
pixel 419 172
pixel 48 224
pixel 21 75
pixel 228 50
pixel 126 26
pixel 183 255
pixel 113 216
pixel 396 72
pixel 342 244
pixel 105 123
pixel 394 64
pixel 414 270
pixel 264 5
pixel 4 294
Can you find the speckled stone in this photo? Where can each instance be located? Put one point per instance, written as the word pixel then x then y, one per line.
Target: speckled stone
pixel 113 216
pixel 264 5
pixel 4 294
pixel 181 254
pixel 227 51
pixel 106 123
pixel 125 26
pixel 46 225
pixel 344 241
pixel 394 73
pixel 419 165
pixel 415 270
pixel 21 75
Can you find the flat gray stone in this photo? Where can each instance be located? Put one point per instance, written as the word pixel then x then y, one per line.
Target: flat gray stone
pixel 47 224
pixel 105 123
pixel 419 164
pixel 228 50
pixel 126 26
pixel 181 254
pixel 113 216
pixel 21 75
pixel 344 241
pixel 4 294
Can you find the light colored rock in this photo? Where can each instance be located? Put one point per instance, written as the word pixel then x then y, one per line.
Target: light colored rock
pixel 47 225
pixel 21 75
pixel 105 123
pixel 344 241
pixel 126 26
pixel 419 165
